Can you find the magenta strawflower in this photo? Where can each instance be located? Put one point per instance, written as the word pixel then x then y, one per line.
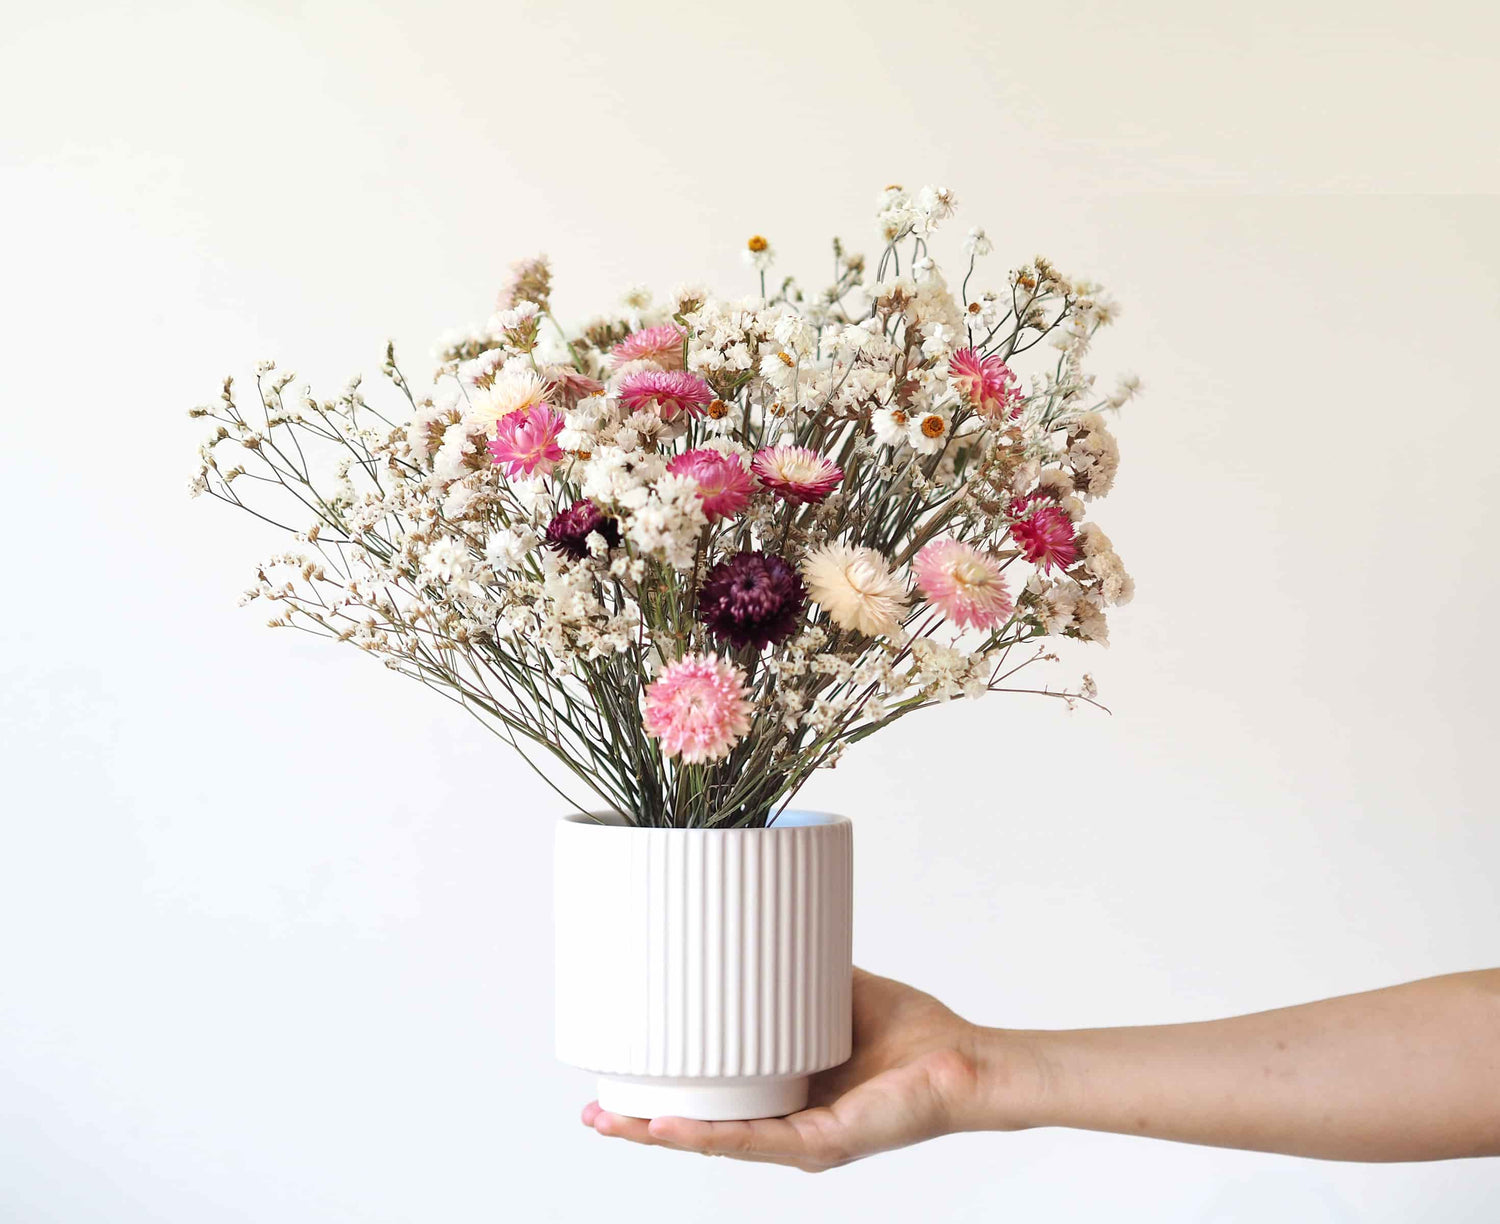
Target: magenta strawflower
pixel 668 391
pixel 662 345
pixel 752 599
pixel 696 707
pixel 724 484
pixel 796 473
pixel 963 584
pixel 569 530
pixel 1045 536
pixel 990 385
pixel 526 441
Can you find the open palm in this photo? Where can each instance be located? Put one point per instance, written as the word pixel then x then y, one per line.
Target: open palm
pixel 911 1077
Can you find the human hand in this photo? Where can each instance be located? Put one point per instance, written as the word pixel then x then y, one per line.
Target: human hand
pixel 914 1075
pixel 1406 1073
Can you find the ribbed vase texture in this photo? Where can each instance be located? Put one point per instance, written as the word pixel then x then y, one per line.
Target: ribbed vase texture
pixel 704 952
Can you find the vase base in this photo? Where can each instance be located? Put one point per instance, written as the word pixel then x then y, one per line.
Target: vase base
pixel 731 1099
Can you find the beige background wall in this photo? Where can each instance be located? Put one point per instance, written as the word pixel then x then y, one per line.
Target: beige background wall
pixel 273 929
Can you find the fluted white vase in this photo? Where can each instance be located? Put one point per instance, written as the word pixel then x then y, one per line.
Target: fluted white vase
pixel 704 973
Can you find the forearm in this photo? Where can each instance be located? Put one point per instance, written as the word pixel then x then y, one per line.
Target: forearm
pixel 1407 1073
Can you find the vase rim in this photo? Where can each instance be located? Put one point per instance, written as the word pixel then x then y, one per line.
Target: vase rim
pixel 789 818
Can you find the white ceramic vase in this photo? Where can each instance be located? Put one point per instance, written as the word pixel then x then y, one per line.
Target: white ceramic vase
pixel 704 973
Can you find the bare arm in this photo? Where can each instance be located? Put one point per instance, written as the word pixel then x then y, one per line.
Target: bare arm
pixel 1406 1073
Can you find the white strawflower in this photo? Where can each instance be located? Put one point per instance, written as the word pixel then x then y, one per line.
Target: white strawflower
pixel 856 588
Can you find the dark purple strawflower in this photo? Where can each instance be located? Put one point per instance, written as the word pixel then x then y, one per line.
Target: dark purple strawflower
pixel 752 599
pixel 569 531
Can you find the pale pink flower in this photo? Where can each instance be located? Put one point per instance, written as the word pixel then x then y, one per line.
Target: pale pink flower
pixel 662 345
pixel 723 483
pixel 697 708
pixel 526 441
pixel 566 387
pixel 963 584
pixel 796 473
pixel 668 391
pixel 990 385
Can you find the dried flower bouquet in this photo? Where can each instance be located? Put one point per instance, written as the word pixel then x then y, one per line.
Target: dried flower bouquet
pixel 694 550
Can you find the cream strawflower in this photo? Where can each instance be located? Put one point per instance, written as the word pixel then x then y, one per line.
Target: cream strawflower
pixel 511 392
pixel 856 588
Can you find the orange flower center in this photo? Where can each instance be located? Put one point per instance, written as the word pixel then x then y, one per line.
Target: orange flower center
pixel 933 426
pixel 758 244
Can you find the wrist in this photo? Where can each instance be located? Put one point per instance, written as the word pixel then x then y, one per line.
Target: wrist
pixel 1014 1079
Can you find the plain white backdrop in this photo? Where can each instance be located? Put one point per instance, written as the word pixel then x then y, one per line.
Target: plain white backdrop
pixel 274 929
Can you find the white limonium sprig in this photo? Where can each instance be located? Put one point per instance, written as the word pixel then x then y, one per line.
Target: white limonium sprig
pixel 694 548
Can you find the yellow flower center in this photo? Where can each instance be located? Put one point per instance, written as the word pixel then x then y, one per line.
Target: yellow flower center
pixel 758 244
pixel 970 573
pixel 786 359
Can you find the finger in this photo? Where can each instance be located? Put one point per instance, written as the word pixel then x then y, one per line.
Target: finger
pixel 797 1139
pixel 618 1126
pixel 590 1112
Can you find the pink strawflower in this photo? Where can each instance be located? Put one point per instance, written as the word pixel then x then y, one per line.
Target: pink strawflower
pixel 796 473
pixel 662 345
pixel 526 440
pixel 1045 537
pixel 697 708
pixel 989 384
pixel 723 483
pixel 963 584
pixel 668 391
